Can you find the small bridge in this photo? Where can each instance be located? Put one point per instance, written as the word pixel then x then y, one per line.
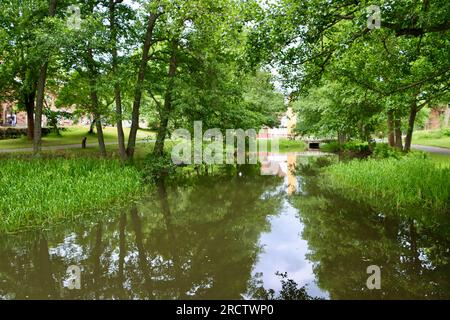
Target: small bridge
pixel 314 144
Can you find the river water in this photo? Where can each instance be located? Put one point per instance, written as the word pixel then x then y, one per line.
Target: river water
pixel 230 234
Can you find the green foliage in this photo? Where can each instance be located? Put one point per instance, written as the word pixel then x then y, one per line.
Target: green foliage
pixel 157 167
pixel 349 77
pixel 313 165
pixel 331 147
pixel 446 132
pixel 54 117
pixel 383 151
pixel 356 146
pixel 332 108
pixel 290 290
pixel 411 181
pixel 353 147
pixel 39 192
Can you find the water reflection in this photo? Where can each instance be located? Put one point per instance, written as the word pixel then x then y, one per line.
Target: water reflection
pixel 199 240
pixel 345 238
pixel 215 236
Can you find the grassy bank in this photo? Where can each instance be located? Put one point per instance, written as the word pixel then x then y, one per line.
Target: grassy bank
pixel 434 138
pixel 409 182
pixel 285 145
pixel 39 192
pixel 72 135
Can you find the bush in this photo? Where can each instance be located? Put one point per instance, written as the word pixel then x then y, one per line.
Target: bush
pixel 384 151
pixel 446 132
pixel 15 133
pixel 357 146
pixel 157 167
pixel 331 147
pixel 351 148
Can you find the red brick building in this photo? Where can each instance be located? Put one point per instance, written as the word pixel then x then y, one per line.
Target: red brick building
pixel 436 117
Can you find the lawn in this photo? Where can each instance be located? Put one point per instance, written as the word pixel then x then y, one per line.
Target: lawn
pixel 73 135
pixel 434 138
pixel 286 145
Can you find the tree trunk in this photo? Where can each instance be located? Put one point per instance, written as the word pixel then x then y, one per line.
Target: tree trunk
pixel 411 122
pixel 122 252
pixel 37 142
pixel 117 91
pixel 138 88
pixel 92 125
pixel 101 139
pixel 95 101
pixel 390 127
pixel 167 108
pixel 398 133
pixel 158 150
pixel 142 253
pixel 29 107
pixel 97 117
pixel 40 90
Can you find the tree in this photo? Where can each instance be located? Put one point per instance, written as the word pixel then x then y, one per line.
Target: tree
pixel 40 88
pixel 405 60
pixel 19 58
pixel 115 75
pixel 154 14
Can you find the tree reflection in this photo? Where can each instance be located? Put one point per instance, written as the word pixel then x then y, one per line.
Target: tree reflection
pixel 344 238
pixel 192 241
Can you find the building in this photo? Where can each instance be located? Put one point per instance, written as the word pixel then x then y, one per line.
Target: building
pixel 7 111
pixel 6 115
pixel 436 117
pixel 288 122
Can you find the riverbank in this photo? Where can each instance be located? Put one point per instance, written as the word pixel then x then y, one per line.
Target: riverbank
pixel 39 192
pixel 409 182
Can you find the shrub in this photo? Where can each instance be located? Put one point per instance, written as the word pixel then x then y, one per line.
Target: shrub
pixel 157 167
pixel 357 146
pixel 384 151
pixel 14 133
pixel 446 132
pixel 332 147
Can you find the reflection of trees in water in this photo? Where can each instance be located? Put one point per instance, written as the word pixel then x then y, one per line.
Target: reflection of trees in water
pixel 344 238
pixel 290 290
pixel 193 241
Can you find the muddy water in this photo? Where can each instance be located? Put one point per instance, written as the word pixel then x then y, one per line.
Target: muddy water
pixel 227 236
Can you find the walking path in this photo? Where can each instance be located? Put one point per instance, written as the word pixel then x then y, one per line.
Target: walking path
pixel 64 147
pixel 444 151
pixel 429 149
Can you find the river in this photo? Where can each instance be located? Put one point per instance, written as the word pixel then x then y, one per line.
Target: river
pixel 232 234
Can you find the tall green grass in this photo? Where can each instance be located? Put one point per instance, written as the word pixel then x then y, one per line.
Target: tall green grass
pixel 409 182
pixel 36 192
